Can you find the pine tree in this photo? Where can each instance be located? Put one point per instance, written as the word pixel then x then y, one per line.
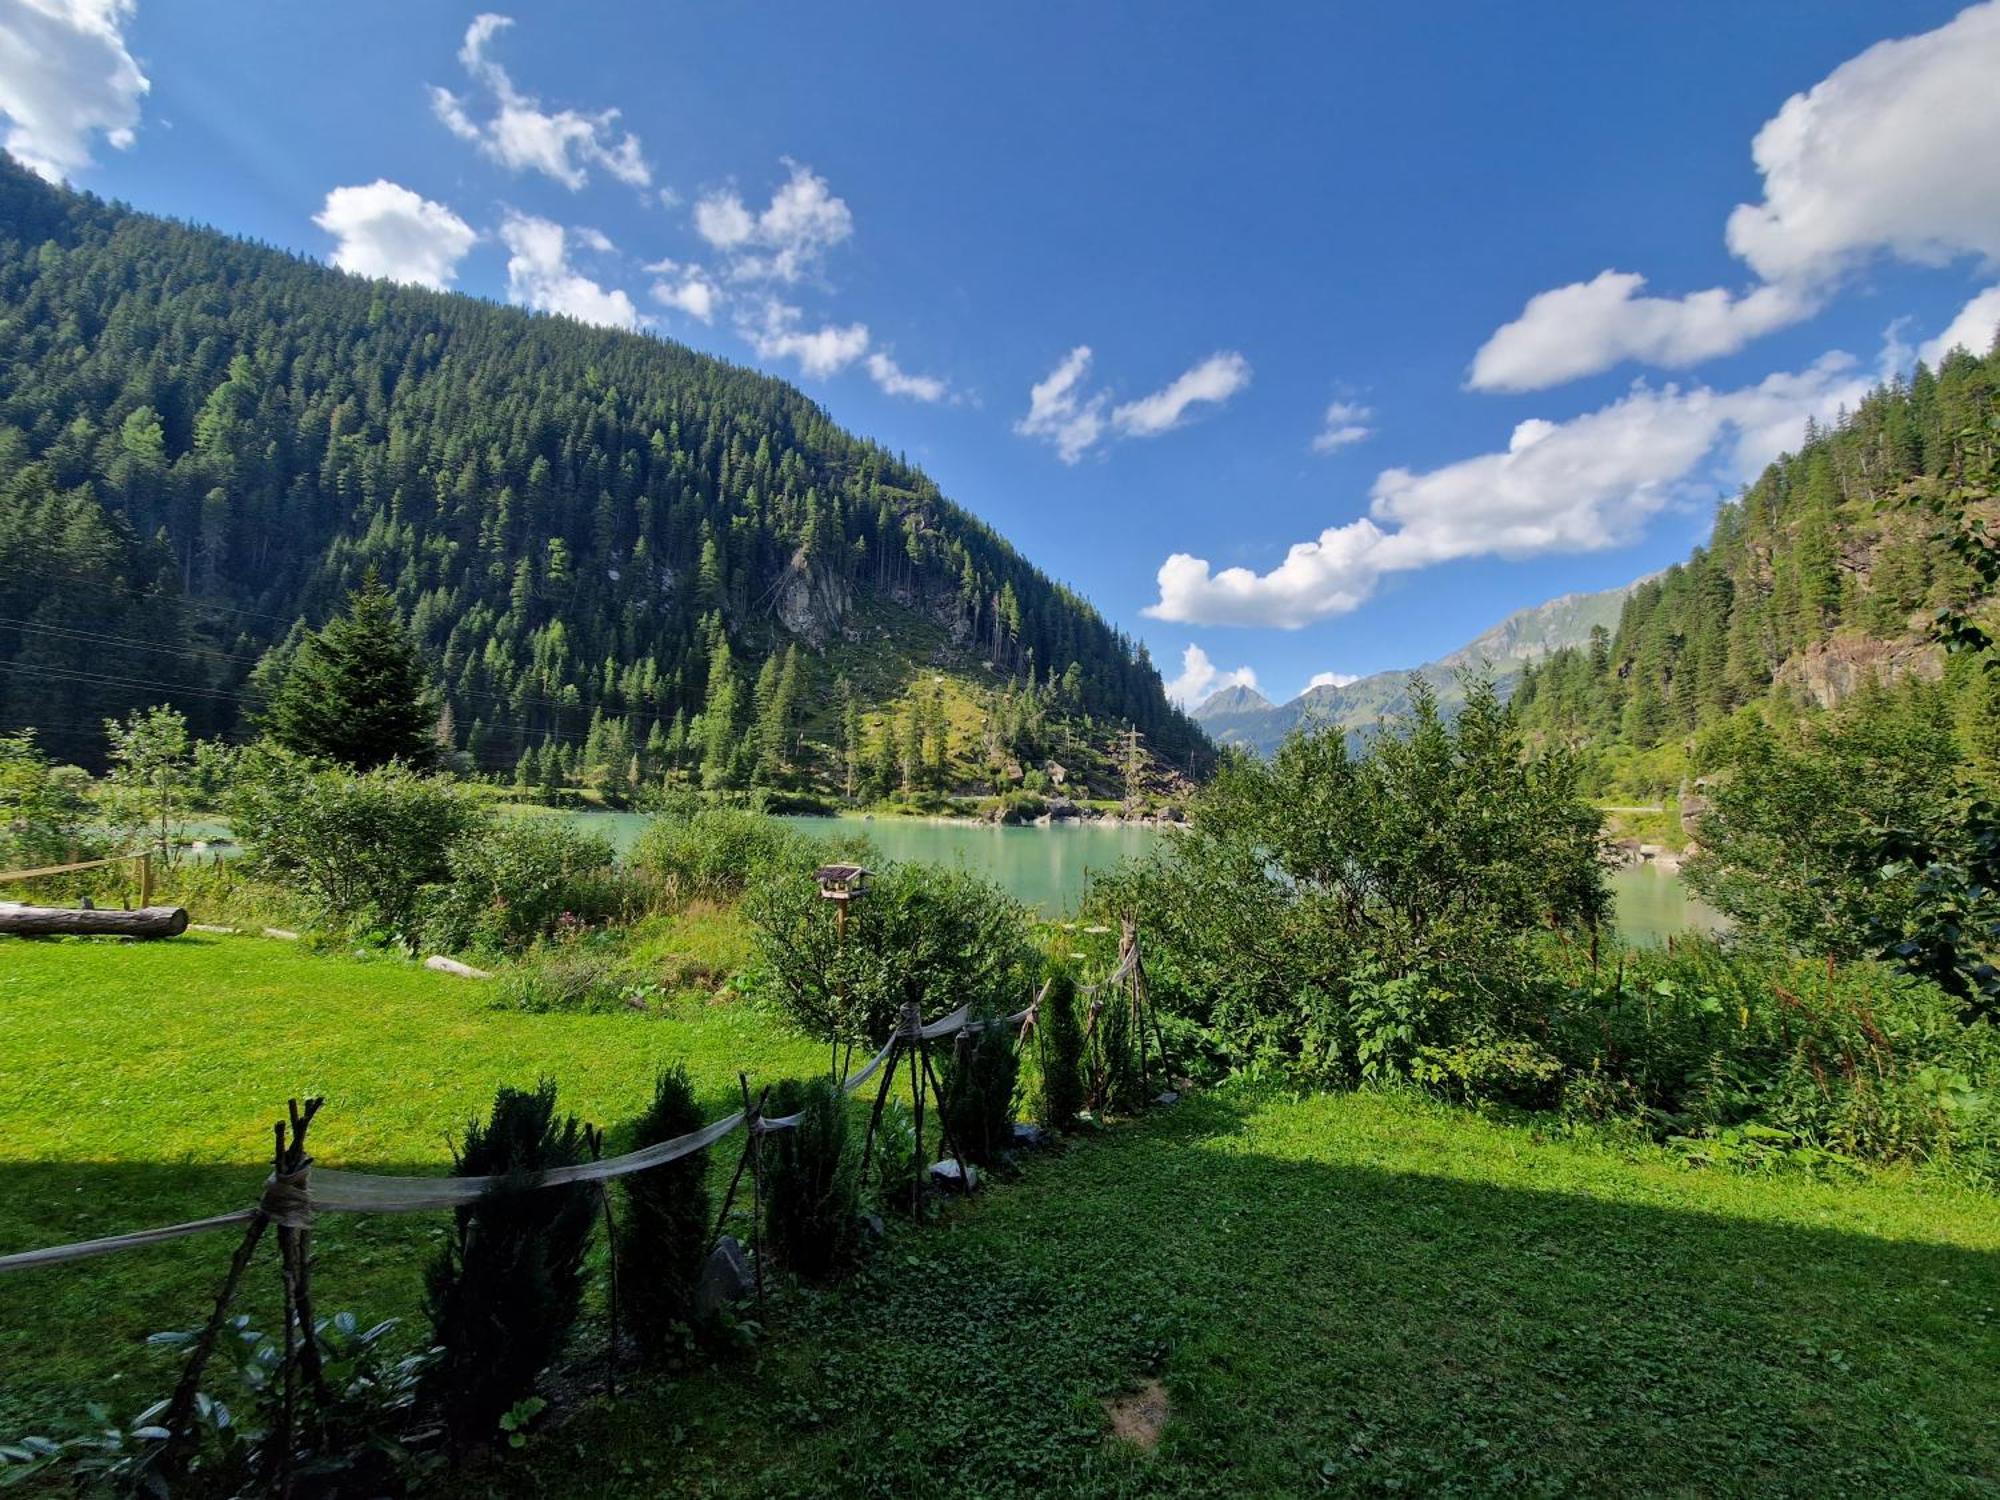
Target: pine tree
pixel 357 691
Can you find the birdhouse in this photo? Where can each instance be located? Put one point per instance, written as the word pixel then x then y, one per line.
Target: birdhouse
pixel 841 882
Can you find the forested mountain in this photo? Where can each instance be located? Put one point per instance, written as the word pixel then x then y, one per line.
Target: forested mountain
pixel 1242 716
pixel 1819 580
pixel 615 552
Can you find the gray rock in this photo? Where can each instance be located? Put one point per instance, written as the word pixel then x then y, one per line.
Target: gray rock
pixel 1027 1137
pixel 871 1227
pixel 725 1280
pixel 945 1177
pixel 1171 1096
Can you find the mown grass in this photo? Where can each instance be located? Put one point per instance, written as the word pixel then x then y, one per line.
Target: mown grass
pixel 1352 1293
pixel 138 1084
pixel 1360 1293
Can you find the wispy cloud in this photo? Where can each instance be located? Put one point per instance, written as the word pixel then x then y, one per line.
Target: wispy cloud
pixel 1073 420
pixel 522 136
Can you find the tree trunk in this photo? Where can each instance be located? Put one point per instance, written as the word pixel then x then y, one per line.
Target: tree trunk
pixel 65 921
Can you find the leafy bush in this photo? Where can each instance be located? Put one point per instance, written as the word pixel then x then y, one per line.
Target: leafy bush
pixel 941 937
pixel 978 1076
pixel 512 882
pixel 1784 846
pixel 714 853
pixel 1059 1052
pixel 358 846
pixel 812 1204
pixel 355 1441
pixel 45 808
pixel 1329 913
pixel 504 1292
pixel 663 1233
pixel 573 971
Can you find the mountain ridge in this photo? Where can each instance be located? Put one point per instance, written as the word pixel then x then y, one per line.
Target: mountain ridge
pixel 602 541
pixel 1525 636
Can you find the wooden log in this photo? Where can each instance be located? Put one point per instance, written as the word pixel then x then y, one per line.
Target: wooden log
pixel 66 921
pixel 445 965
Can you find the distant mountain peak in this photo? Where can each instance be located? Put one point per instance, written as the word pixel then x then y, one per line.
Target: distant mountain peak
pixel 1237 699
pixel 1242 716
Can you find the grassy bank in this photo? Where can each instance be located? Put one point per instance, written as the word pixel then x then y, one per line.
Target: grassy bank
pixel 1360 1291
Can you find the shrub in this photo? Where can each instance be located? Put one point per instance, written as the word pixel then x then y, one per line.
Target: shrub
pixel 358 846
pixel 571 972
pixel 978 1079
pixel 943 937
pixel 1308 886
pixel 45 810
pixel 1060 1052
pixel 663 1233
pixel 504 1292
pixel 715 853
pixel 812 1206
pixel 514 881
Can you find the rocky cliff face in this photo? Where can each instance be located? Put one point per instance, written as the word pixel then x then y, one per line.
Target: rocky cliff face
pixel 811 602
pixel 1830 672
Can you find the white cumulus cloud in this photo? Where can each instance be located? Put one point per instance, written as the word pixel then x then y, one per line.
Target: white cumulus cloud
pixel 1345 422
pixel 1073 420
pixel 1576 486
pixel 686 289
pixel 1330 679
pixel 523 136
pixel 1211 382
pixel 896 381
pixel 1891 153
pixel 780 333
pixel 66 78
pixel 1973 329
pixel 383 229
pixel 540 275
pixel 1592 325
pixel 1893 150
pixel 1200 679
pixel 784 240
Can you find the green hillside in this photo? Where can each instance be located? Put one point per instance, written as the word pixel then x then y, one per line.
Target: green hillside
pixel 1820 580
pixel 607 545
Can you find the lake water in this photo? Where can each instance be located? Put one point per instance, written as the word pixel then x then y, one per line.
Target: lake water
pixel 1048 868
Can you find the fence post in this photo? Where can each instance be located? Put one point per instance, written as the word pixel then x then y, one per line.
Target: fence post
pixel 146 879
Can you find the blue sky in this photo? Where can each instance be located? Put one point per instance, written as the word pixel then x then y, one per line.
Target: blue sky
pixel 1397 318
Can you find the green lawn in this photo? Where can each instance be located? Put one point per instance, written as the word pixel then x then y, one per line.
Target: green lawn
pixel 1349 1293
pixel 138 1084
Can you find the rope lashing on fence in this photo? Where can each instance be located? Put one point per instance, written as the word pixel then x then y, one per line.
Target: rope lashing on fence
pixel 292 1200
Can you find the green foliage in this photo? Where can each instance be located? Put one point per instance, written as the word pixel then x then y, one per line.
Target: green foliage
pixel 1783 843
pixel 357 691
pixel 504 1291
pixel 697 852
pixel 812 1200
pixel 940 937
pixel 573 971
pixel 1327 912
pixel 358 846
pixel 1059 1054
pixel 45 808
pixel 518 879
pixel 1854 1059
pixel 148 791
pixel 353 1439
pixel 979 1074
pixel 663 1230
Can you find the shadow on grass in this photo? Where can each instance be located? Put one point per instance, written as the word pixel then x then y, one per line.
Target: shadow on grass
pixel 1317 1325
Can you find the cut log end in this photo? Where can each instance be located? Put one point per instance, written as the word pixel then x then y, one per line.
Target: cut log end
pixel 17 920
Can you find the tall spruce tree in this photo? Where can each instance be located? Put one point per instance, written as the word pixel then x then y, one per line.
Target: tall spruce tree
pixel 357 691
